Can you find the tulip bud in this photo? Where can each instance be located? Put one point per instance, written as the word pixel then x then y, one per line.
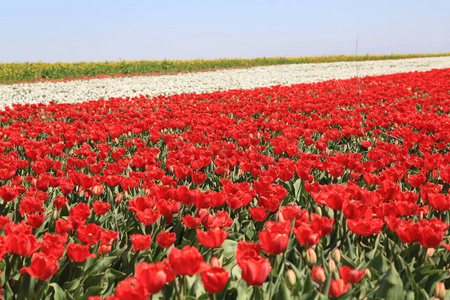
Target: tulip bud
pixel 311 257
pixel 318 275
pixel 336 255
pixel 439 291
pixel 55 214
pixel 368 274
pixel 215 263
pixel 430 252
pixel 291 278
pixel 119 198
pixel 279 217
pixel 331 266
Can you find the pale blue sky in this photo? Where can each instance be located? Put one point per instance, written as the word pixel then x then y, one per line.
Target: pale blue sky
pixel 99 30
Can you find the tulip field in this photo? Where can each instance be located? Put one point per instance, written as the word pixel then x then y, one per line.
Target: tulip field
pixel 329 190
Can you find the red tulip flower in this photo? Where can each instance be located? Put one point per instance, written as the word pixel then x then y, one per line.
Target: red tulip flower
pixel 22 244
pixel 258 213
pixel 187 261
pixel 42 266
pixel 89 234
pixel 140 242
pixel 79 253
pixel 100 208
pixel 166 239
pixel 255 270
pixel 215 279
pixel 153 276
pixel 7 193
pixel 131 289
pixel 212 238
pixel 318 275
pixel 350 275
pixel 275 238
pixel 338 287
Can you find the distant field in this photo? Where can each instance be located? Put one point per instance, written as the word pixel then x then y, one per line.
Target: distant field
pixel 28 72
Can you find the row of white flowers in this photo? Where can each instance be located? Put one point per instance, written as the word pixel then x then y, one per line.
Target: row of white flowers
pixel 85 90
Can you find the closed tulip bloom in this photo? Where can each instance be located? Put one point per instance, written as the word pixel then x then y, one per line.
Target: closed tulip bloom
pixel 152 276
pixel 187 261
pixel 215 279
pixel 311 257
pixel 439 291
pixel 318 274
pixel 338 287
pixel 255 270
pixel 212 238
pixel 275 238
pixel 42 266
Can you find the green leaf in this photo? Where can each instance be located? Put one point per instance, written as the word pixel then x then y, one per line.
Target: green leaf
pixel 72 285
pixel 391 285
pixel 229 248
pixel 92 291
pixel 94 280
pixel 58 294
pixel 283 293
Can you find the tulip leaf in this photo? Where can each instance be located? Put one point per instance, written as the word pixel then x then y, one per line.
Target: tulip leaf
pixel 72 285
pixel 58 293
pixel 94 280
pixel 391 285
pixel 92 291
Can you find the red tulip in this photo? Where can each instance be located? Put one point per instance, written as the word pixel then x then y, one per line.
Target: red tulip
pixel 215 279
pixel 166 239
pixel 78 252
pixel 350 275
pixel 42 266
pixel 153 276
pixel 100 208
pixel 258 213
pixel 131 289
pixel 7 193
pixel 212 238
pixel 318 275
pixel 89 234
pixel 140 242
pixel 255 270
pixel 275 238
pixel 338 287
pixel 187 261
pixel 22 244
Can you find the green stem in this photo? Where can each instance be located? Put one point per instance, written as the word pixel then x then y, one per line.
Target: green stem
pixel 180 286
pixel 36 296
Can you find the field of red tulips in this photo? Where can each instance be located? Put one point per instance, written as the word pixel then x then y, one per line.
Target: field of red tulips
pixel 310 191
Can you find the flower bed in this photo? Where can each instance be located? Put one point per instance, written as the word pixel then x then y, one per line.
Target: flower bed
pixel 206 82
pixel 338 188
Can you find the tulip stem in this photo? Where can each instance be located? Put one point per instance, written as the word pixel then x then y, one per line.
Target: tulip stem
pixel 180 286
pixel 36 296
